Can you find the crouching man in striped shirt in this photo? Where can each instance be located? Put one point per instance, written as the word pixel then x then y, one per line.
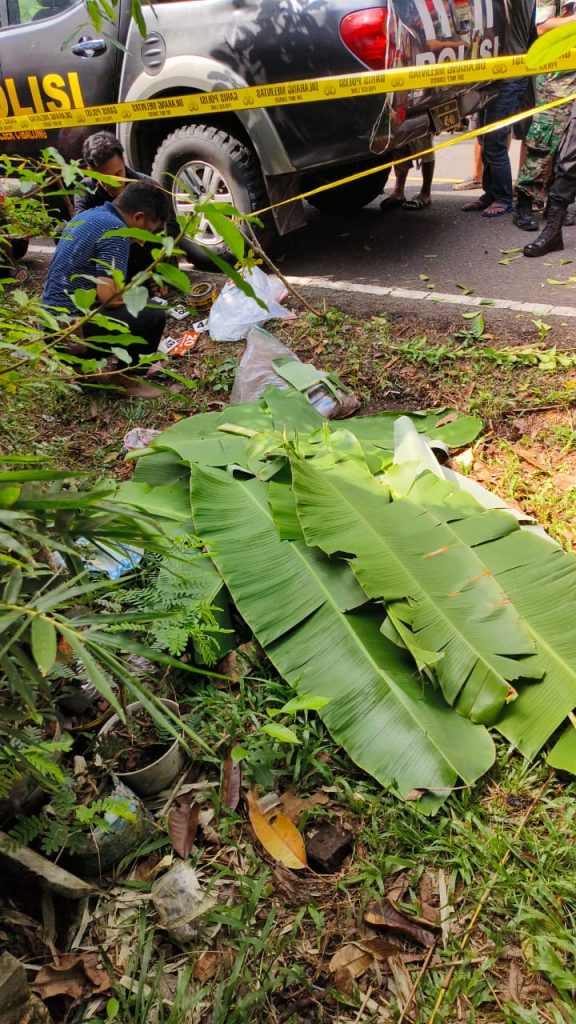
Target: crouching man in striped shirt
pixel 85 257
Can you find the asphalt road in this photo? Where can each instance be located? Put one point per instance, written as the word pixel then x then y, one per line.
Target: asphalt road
pixel 362 253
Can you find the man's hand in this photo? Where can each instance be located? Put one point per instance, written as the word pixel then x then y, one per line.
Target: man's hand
pixel 108 292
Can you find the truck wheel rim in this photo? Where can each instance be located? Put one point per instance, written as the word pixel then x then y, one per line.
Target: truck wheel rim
pixel 199 180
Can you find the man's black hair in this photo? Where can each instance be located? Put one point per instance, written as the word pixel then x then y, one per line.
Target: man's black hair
pixel 141 197
pixel 99 148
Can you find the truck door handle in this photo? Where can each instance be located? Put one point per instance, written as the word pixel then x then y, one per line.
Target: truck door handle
pixel 89 47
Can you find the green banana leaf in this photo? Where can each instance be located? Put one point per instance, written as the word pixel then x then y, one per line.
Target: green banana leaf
pixel 160 468
pixel 563 753
pixel 379 428
pixel 307 611
pixel 403 552
pixel 169 501
pixel 540 581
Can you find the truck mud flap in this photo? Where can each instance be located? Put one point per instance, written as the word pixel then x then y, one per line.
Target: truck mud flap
pixel 292 215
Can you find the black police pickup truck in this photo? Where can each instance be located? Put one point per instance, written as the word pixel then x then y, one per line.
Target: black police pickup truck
pixel 52 58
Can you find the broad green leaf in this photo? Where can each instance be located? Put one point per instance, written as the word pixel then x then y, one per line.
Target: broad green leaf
pixel 401 733
pixel 233 238
pixel 9 496
pixel 551 45
pixel 121 354
pixel 309 702
pixel 135 299
pixel 175 277
pixel 44 643
pixel 280 732
pixel 159 468
pixel 239 753
pixel 563 753
pixel 405 552
pixel 84 298
pixel 171 501
pixel 539 579
pixel 460 432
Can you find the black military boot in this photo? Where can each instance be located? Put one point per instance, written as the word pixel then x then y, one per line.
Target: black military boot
pixel 550 239
pixel 523 217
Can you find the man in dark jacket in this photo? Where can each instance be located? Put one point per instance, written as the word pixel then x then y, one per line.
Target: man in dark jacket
pixel 104 153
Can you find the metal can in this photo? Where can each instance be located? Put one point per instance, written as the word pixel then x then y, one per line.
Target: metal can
pixel 203 296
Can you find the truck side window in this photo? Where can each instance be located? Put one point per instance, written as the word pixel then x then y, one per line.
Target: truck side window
pixel 22 12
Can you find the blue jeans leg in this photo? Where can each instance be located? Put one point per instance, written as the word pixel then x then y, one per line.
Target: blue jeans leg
pixel 497 176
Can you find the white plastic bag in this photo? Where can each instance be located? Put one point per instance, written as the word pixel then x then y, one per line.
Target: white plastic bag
pixel 257 370
pixel 234 313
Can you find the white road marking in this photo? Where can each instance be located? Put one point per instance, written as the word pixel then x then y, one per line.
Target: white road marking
pixel 414 294
pixel 445 298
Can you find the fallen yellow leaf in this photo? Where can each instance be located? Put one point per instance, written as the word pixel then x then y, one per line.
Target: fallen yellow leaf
pixel 279 837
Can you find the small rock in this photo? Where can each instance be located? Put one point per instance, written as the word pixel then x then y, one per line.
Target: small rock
pixel 327 845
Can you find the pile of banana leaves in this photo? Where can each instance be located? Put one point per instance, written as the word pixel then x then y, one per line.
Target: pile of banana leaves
pixel 427 612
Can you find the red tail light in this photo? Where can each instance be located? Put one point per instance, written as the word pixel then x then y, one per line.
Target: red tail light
pixel 364 33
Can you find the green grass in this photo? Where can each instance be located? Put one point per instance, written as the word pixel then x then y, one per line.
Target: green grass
pixel 506 845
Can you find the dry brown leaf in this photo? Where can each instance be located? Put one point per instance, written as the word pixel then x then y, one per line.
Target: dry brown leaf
pixel 231 784
pixel 401 983
pixel 145 868
pixel 279 837
pixel 344 981
pixel 429 898
pixel 448 418
pixel 183 825
pixel 387 915
pixel 73 976
pixel 352 959
pixel 207 965
pixel 293 805
pixel 379 948
pixel 241 662
pixel 515 981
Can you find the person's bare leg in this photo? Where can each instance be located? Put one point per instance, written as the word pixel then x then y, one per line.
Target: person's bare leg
pixel 424 197
pixel 477 162
pixel 401 172
pixel 397 196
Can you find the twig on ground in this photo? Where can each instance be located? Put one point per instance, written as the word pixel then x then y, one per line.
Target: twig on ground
pixel 416 985
pixel 251 239
pixel 365 1002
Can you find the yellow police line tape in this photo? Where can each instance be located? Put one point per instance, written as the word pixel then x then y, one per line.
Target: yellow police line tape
pixel 459 137
pixel 365 83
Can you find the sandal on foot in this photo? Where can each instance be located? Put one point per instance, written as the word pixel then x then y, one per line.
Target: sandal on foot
pixel 416 203
pixel 468 183
pixel 496 210
pixel 391 203
pixel 475 206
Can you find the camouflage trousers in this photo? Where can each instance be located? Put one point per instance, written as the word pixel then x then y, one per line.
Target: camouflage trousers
pixel 542 141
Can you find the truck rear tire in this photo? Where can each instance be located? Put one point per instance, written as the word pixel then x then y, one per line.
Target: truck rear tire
pixel 207 161
pixel 350 197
